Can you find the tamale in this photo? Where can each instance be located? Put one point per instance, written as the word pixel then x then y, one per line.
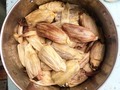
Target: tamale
pixel 88 22
pixel 67 52
pixel 46 79
pixel 39 16
pixel 35 41
pixel 97 54
pixel 61 78
pixel 52 32
pixel 50 57
pixel 32 62
pixel 21 52
pixel 79 33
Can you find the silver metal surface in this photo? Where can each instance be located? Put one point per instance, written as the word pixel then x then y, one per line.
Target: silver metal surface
pixel 9 52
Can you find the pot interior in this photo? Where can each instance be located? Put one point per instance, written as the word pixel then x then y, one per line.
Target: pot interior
pixel 94 8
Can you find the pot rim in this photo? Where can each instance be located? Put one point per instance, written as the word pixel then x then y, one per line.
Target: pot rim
pixel 1 39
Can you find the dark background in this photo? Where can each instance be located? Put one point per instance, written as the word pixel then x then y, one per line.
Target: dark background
pixel 3 76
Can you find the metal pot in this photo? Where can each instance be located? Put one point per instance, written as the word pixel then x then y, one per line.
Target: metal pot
pixel 9 52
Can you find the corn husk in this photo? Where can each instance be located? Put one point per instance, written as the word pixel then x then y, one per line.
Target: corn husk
pixel 89 46
pixel 74 14
pixel 49 56
pixel 32 62
pixel 57 23
pixel 97 54
pixel 87 68
pixel 55 6
pixel 78 78
pixel 36 42
pixel 95 64
pixel 61 78
pixel 65 14
pixel 79 33
pixel 52 32
pixel 45 67
pixel 83 49
pixel 75 43
pixel 84 60
pixel 17 38
pixel 39 16
pixel 58 17
pixel 70 14
pixel 21 52
pixel 18 32
pixel 46 79
pixel 67 53
pixel 29 33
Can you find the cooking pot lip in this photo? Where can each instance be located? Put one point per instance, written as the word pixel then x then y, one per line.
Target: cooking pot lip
pixel 117 44
pixel 1 39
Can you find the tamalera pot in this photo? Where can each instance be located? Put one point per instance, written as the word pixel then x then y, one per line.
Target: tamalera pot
pixel 9 53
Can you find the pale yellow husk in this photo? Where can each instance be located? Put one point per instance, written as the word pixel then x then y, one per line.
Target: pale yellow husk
pixel 32 62
pixel 49 56
pixel 61 78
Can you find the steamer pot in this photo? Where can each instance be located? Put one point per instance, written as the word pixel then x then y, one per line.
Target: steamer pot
pixel 9 52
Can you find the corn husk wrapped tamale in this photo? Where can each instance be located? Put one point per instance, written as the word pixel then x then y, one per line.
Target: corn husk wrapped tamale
pixel 21 52
pixel 52 32
pixel 46 79
pixel 97 54
pixel 50 57
pixel 55 6
pixel 88 22
pixel 55 49
pixel 32 62
pixel 78 78
pixel 67 52
pixel 39 16
pixel 79 33
pixel 35 41
pixel 61 78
